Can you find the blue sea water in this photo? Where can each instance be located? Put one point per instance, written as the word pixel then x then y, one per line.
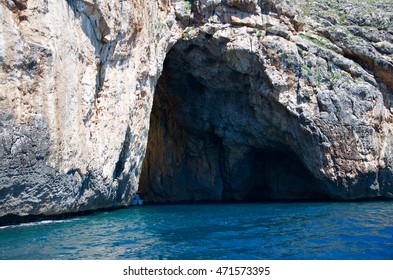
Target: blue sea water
pixel 211 231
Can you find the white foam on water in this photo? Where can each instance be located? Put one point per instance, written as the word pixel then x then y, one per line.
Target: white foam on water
pixel 33 224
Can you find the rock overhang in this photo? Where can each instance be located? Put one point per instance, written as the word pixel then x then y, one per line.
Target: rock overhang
pixel 273 88
pixel 225 128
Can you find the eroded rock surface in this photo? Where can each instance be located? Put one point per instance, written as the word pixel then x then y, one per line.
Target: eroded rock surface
pixel 278 101
pixel 76 88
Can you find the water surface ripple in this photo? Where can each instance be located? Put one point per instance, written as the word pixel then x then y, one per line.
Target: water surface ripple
pixel 211 231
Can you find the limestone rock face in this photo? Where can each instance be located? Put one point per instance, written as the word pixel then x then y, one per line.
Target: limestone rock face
pixel 76 86
pixel 280 102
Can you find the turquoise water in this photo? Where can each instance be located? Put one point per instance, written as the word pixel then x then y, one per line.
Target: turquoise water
pixel 211 231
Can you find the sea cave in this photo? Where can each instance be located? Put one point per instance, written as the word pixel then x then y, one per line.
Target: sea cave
pixel 213 138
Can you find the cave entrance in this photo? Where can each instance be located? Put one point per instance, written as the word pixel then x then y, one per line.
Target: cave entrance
pixel 210 141
pixel 271 175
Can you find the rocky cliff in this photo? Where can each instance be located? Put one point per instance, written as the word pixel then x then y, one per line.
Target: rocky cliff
pixel 264 100
pixel 258 100
pixel 76 88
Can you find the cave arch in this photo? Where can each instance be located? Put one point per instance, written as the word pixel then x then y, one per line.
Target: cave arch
pixel 216 135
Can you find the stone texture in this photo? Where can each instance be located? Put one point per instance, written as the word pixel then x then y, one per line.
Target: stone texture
pixel 249 6
pixel 183 10
pixel 76 86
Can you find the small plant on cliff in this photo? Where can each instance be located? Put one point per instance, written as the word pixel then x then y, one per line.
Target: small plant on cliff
pixel 160 24
pixel 342 18
pixel 319 80
pixel 308 70
pixel 306 7
pixel 333 77
pixel 187 4
pixel 186 32
pixel 318 42
pixel 300 51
